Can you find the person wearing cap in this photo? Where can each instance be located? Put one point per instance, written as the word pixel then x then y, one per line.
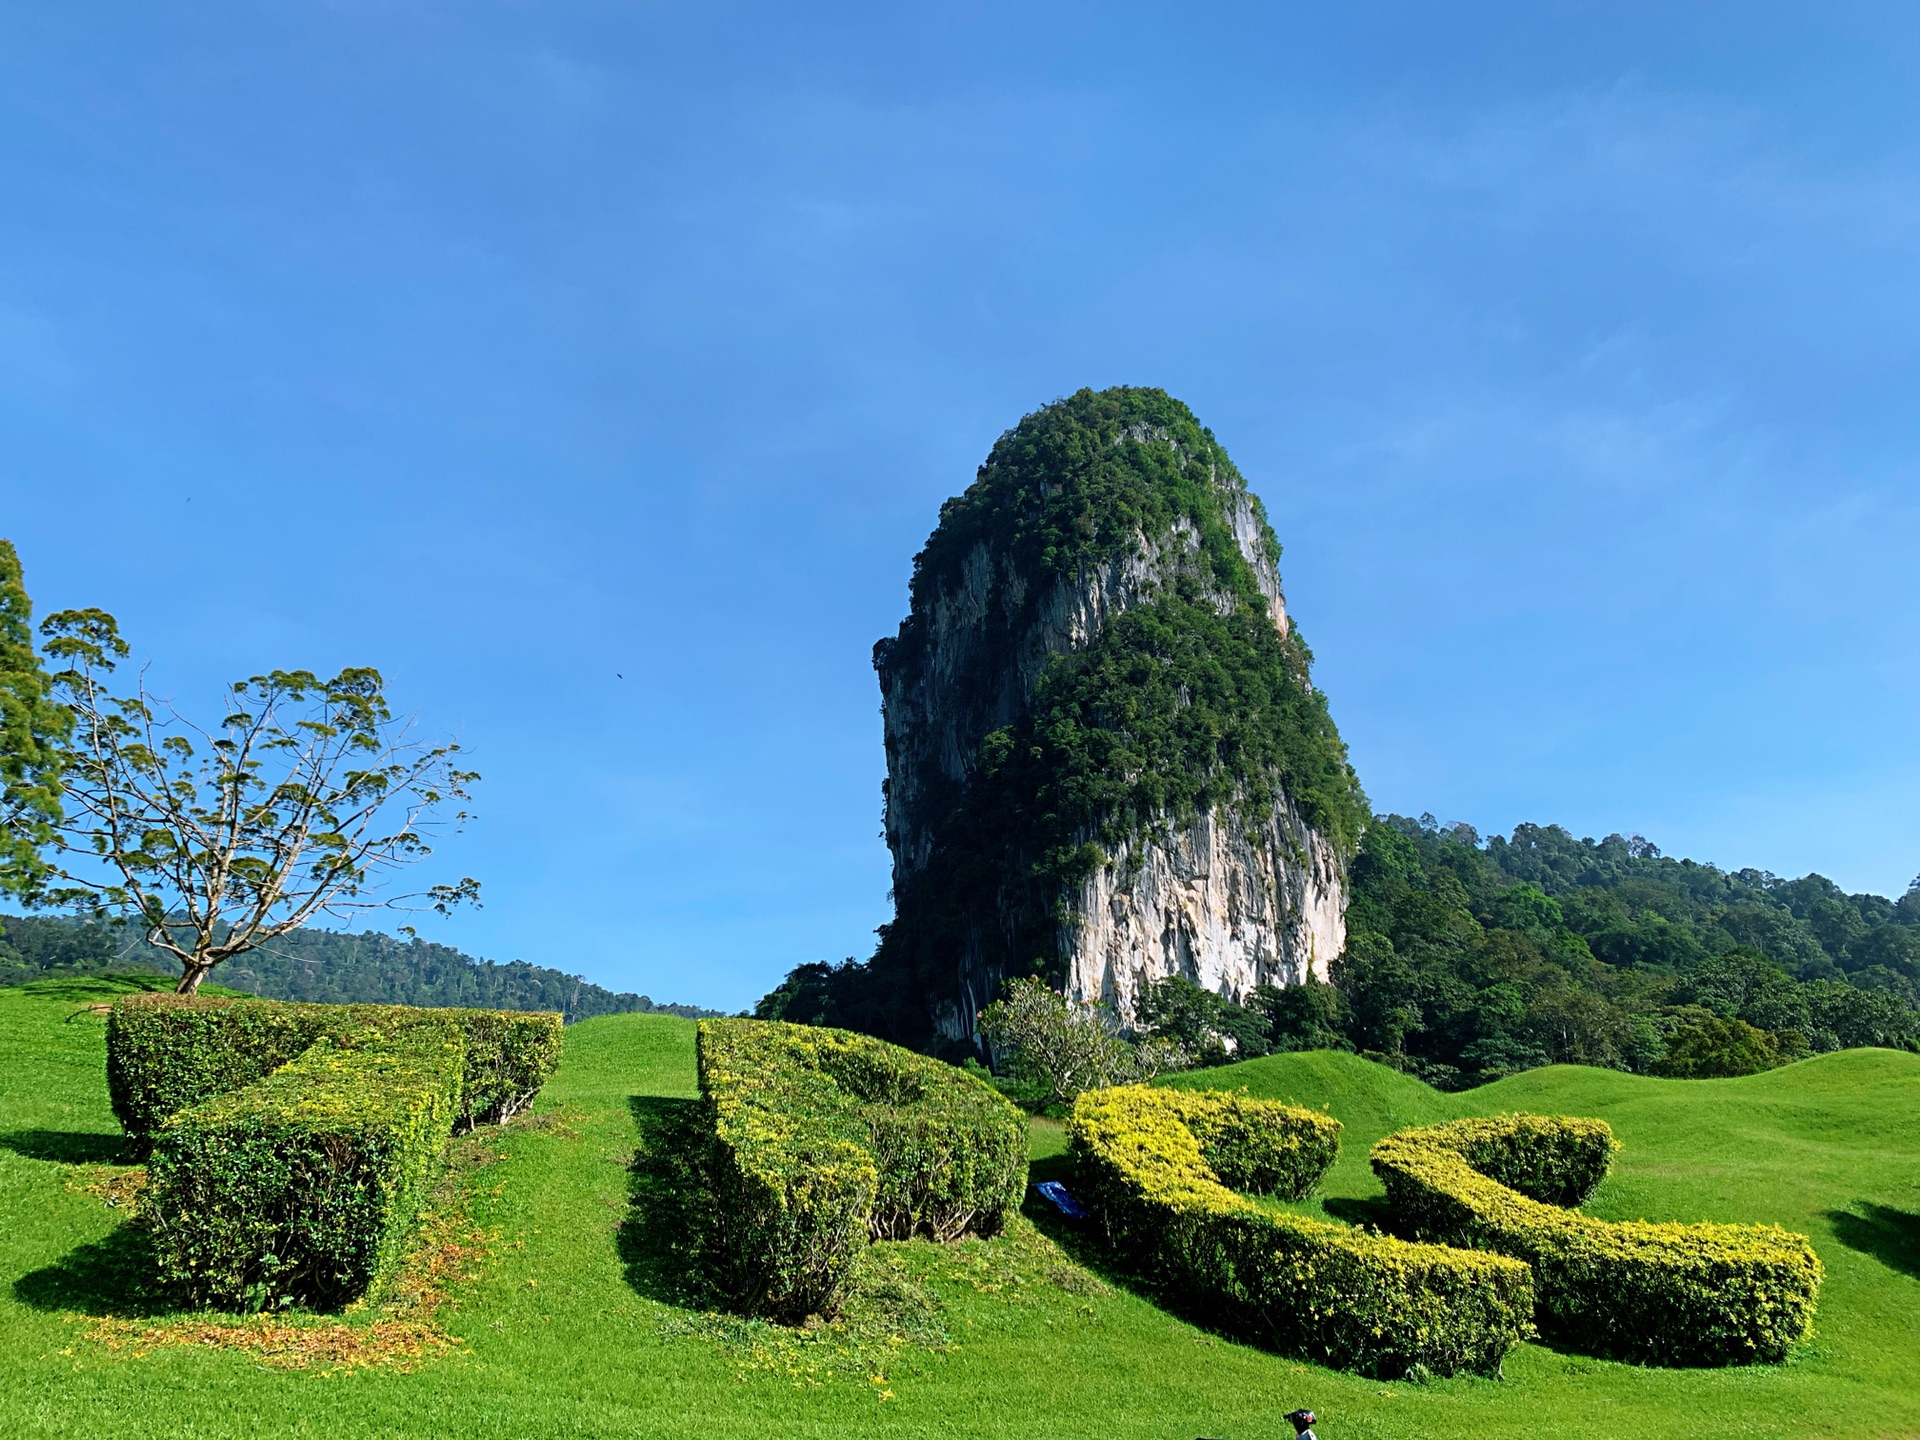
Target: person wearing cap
pixel 1302 1424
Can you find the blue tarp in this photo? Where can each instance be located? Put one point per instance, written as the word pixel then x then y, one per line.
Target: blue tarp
pixel 1056 1192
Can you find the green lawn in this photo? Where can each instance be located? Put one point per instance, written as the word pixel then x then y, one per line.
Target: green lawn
pixel 565 1333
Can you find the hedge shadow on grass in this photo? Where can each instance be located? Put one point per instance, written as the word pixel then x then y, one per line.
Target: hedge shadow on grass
pixel 1083 1244
pixel 1370 1212
pixel 655 1242
pixel 1890 1236
pixel 68 1147
pixel 114 1276
pixel 1081 1239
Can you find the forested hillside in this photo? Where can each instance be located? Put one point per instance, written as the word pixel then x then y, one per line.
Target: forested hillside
pixel 1469 959
pixel 321 965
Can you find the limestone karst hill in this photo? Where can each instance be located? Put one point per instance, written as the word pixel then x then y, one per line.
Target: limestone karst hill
pixel 1106 761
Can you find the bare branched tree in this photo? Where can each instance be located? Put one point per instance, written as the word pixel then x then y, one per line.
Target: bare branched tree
pixel 301 801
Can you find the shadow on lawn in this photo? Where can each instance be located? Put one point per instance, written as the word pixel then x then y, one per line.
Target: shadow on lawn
pixel 112 1276
pixel 1082 1240
pixel 68 1147
pixel 1372 1211
pixel 656 1240
pixel 1890 1236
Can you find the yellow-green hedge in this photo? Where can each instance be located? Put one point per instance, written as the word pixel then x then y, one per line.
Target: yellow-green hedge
pixel 823 1140
pixel 1307 1287
pixel 1660 1294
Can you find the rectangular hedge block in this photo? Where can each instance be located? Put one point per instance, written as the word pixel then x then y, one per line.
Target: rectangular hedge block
pixel 823 1140
pixel 306 1185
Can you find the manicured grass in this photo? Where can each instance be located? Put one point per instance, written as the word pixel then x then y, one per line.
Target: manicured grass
pixel 557 1340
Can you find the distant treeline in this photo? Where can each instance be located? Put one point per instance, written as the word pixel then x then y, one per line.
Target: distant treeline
pixel 324 966
pixel 1469 958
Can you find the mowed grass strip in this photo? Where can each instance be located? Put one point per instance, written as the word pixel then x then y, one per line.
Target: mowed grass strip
pixel 558 1336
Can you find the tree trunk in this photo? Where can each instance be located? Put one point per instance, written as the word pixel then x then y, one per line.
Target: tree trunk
pixel 192 976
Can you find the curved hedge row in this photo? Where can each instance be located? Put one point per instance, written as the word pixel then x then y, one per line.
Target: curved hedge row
pixel 823 1140
pixel 1661 1294
pixel 1152 1164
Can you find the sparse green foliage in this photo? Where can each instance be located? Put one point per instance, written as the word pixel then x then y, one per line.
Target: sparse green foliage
pixel 1194 1018
pixel 299 801
pixel 1043 1039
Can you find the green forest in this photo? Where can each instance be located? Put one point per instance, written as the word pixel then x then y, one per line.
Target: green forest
pixel 323 966
pixel 1469 959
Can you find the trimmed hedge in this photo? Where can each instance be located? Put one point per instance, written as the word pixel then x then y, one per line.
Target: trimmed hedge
pixel 306 1185
pixel 1151 1165
pixel 166 1053
pixel 292 1145
pixel 823 1140
pixel 1256 1145
pixel 1660 1294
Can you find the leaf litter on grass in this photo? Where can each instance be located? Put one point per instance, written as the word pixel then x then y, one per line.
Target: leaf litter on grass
pixel 399 1330
pixel 898 1304
pixel 899 1300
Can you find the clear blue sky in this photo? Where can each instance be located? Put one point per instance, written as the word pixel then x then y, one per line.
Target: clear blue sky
pixel 508 347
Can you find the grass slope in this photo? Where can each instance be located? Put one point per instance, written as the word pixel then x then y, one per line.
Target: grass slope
pixel 559 1337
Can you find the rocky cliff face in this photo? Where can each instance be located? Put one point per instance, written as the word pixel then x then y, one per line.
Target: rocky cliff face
pixel 1105 760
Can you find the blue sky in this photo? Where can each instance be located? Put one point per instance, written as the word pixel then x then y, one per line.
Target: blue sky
pixel 510 347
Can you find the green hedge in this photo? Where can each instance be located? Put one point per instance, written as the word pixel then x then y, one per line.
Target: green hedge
pixel 305 1185
pixel 1256 1145
pixel 166 1053
pixel 823 1140
pixel 1151 1165
pixel 1659 1294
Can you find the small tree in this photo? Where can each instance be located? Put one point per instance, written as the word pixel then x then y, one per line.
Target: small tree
pixel 32 726
pixel 1042 1038
pixel 303 798
pixel 1709 1047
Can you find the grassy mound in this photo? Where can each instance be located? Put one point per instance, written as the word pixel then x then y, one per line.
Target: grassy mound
pixel 564 1331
